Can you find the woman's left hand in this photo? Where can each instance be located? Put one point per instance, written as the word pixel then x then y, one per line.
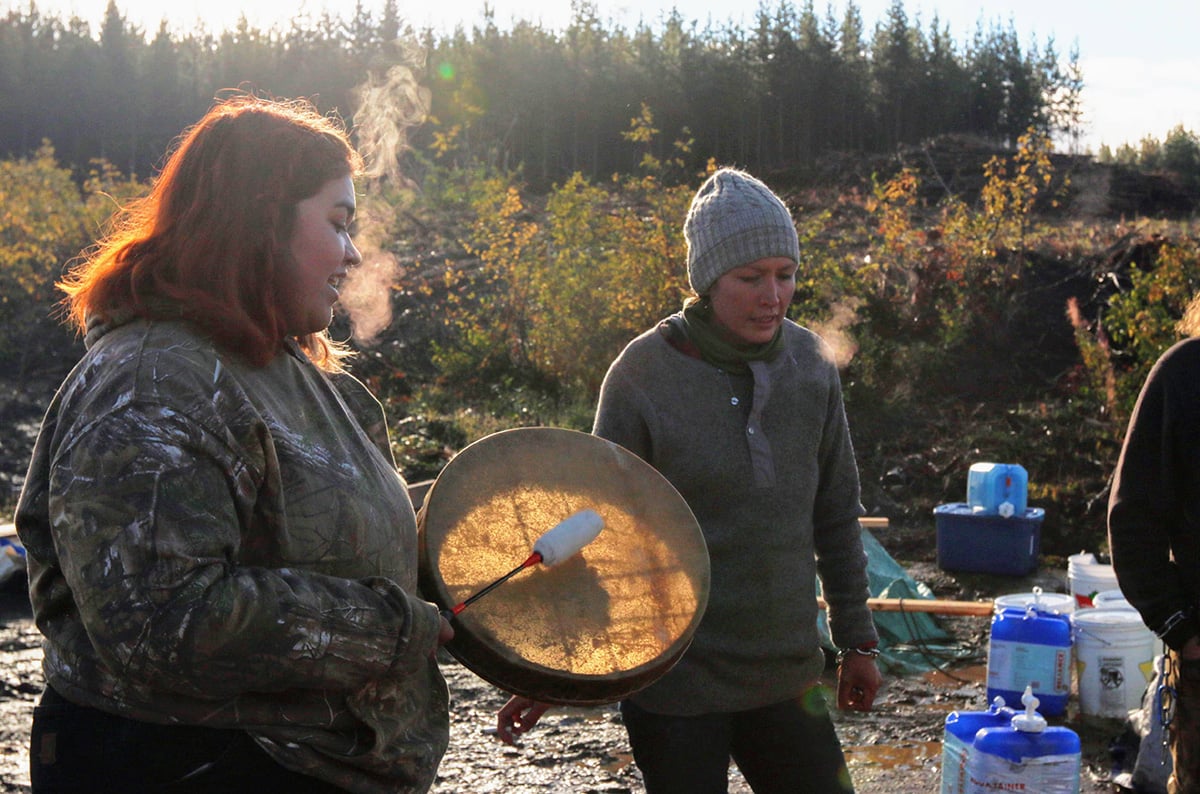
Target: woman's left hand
pixel 858 682
pixel 518 715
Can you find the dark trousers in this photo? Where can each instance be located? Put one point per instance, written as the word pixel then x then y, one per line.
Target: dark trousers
pixel 79 749
pixel 784 748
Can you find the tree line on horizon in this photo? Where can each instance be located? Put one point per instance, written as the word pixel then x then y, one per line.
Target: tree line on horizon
pixel 795 85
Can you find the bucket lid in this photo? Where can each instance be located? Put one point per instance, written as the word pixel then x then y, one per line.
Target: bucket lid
pixel 1096 616
pixel 1048 602
pixel 1038 615
pixel 1086 559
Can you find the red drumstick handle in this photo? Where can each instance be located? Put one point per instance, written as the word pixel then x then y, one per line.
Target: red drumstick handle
pixel 450 614
pixel 560 542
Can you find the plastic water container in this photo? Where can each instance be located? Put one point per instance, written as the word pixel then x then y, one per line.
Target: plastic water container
pixel 1028 755
pixel 997 489
pixel 1058 603
pixel 1114 660
pixel 1087 576
pixel 1030 648
pixel 958 738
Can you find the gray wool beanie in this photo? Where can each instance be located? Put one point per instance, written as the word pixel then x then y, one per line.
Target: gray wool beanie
pixel 735 219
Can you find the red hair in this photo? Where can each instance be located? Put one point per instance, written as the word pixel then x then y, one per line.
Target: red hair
pixel 209 243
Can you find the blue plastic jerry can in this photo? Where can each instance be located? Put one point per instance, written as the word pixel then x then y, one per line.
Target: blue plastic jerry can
pixel 1030 648
pixel 997 489
pixel 1028 756
pixel 958 738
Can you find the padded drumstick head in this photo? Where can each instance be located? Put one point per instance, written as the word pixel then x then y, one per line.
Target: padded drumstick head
pixel 566 538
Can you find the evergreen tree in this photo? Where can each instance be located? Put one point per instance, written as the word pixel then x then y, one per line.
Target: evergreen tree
pixel 121 113
pixel 783 93
pixel 895 68
pixel 1181 156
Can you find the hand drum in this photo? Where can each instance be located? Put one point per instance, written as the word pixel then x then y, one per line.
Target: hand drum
pixel 593 628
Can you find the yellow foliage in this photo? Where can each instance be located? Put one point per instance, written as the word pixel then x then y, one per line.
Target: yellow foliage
pixel 45 221
pixel 562 287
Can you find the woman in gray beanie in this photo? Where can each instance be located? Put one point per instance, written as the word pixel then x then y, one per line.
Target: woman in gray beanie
pixel 741 410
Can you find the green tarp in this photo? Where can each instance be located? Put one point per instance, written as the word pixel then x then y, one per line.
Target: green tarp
pixel 909 642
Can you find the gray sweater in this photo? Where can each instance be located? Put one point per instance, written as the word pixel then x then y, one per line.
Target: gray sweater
pixel 773 483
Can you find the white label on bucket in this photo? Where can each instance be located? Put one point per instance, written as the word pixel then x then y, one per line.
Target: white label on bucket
pixel 1047 774
pixel 1114 652
pixel 1012 666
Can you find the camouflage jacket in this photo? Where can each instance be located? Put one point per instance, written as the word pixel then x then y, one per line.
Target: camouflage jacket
pixel 217 544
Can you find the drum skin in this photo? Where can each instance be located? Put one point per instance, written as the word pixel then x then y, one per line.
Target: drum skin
pixel 594 628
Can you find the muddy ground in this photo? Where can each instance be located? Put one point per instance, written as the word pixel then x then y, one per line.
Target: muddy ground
pixel 894 749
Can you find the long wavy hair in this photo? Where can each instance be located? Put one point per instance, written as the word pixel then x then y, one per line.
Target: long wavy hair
pixel 210 242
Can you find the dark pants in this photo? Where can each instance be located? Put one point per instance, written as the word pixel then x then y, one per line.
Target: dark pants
pixel 79 749
pixel 785 748
pixel 1185 726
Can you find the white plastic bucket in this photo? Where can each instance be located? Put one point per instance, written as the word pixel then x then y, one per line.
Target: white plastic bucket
pixel 1114 660
pixel 1058 603
pixel 1115 599
pixel 1086 577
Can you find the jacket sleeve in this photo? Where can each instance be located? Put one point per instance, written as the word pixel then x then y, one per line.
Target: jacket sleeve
pixel 837 535
pixel 1153 521
pixel 619 417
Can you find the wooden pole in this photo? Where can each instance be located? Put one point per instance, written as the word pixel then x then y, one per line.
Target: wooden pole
pixel 940 607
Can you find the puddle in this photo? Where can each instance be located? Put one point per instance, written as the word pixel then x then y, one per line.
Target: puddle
pixel 893 755
pixel 960 676
pixel 616 762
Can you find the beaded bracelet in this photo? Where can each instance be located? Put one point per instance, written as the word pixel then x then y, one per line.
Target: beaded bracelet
pixel 869 650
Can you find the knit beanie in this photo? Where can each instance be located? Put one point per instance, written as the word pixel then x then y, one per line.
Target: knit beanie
pixel 735 219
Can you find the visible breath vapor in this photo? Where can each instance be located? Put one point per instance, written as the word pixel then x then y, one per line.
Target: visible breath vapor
pixel 835 332
pixel 389 105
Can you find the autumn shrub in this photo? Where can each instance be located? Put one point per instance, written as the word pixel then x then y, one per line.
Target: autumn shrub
pixel 935 280
pixel 484 310
pixel 562 282
pixel 1139 322
pixel 48 217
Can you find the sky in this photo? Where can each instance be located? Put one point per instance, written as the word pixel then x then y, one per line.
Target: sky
pixel 1140 61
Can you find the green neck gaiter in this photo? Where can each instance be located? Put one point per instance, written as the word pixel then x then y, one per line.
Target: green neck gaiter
pixel 715 348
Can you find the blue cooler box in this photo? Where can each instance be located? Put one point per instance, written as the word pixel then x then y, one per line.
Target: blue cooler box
pixel 970 541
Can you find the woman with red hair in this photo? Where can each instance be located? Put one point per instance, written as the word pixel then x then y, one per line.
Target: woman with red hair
pixel 221 552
